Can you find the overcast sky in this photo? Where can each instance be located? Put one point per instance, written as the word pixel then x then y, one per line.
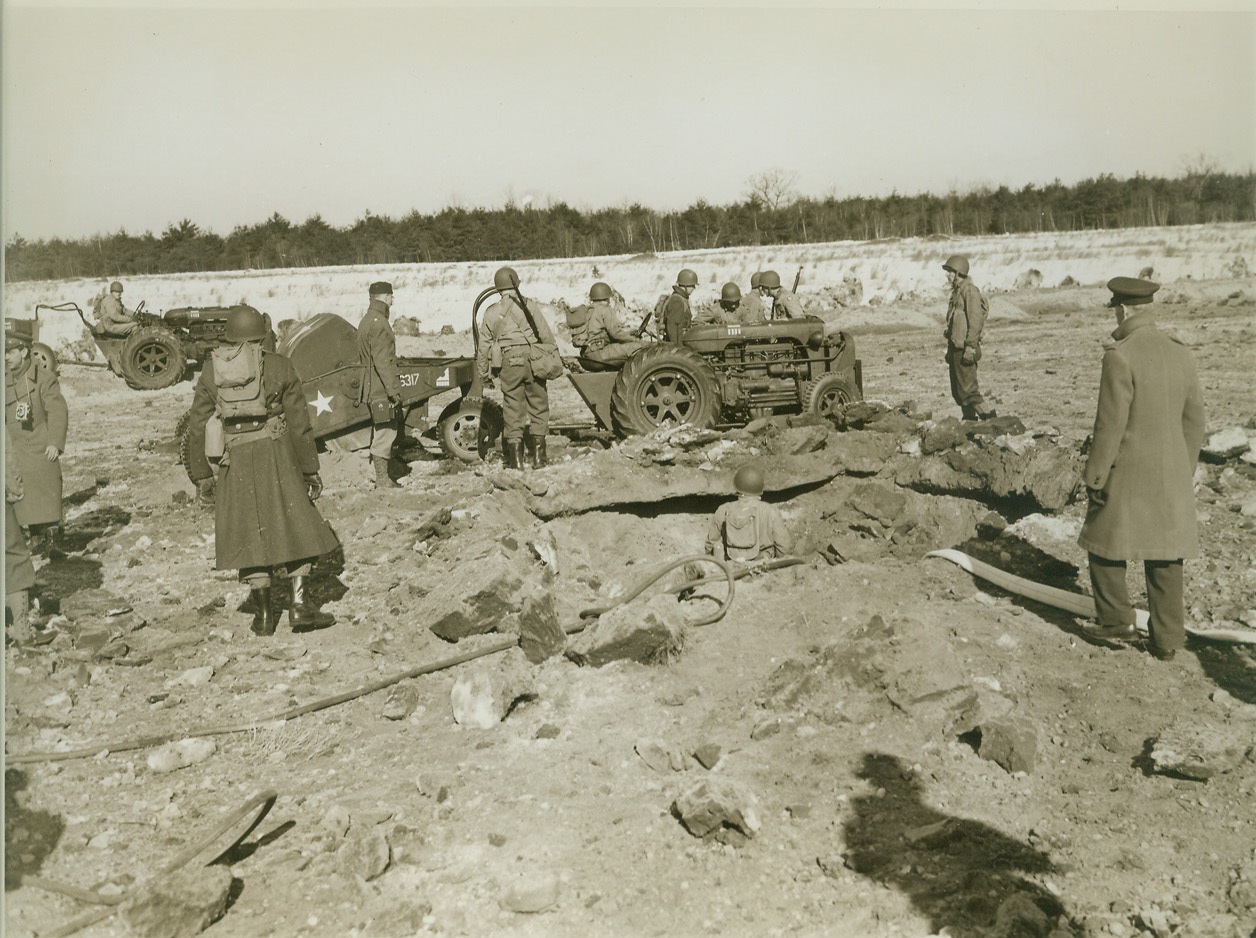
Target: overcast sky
pixel 134 117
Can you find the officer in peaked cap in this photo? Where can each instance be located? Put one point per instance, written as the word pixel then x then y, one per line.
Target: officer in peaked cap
pixel 1130 291
pixel 377 349
pixel 18 333
pixel 1149 427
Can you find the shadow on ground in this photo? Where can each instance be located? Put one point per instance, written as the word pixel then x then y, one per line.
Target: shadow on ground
pixel 29 836
pixel 962 875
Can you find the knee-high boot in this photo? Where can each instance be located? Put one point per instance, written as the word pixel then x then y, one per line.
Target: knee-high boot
pixel 263 612
pixel 305 616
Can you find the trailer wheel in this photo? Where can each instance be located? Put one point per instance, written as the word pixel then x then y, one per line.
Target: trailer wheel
pixel 467 431
pixel 45 357
pixel 665 384
pixel 152 358
pixel 828 395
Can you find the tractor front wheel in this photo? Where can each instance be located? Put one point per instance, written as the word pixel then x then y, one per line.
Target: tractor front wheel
pixel 152 358
pixel 827 396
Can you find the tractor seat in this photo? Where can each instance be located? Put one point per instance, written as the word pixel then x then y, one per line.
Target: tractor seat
pixel 592 364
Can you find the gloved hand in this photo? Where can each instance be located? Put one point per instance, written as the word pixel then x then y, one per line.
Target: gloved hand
pixel 970 355
pixel 205 492
pixel 315 486
pixel 1098 497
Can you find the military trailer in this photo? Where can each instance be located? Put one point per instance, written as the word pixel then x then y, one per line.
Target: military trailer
pixel 162 350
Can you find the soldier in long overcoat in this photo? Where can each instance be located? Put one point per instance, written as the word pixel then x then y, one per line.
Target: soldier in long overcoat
pixel 19 571
pixel 1149 428
pixel 37 420
pixel 377 349
pixel 265 515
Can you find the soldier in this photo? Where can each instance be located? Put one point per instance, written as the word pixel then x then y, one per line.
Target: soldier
pixel 751 308
pixel 19 571
pixel 1149 427
pixel 115 319
pixel 734 309
pixel 265 513
pixel 37 420
pixel 608 340
pixel 785 304
pixel 965 320
pixel 748 529
pixel 377 349
pixel 677 315
pixel 506 340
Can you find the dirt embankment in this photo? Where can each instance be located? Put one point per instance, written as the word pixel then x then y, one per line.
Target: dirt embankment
pixel 869 743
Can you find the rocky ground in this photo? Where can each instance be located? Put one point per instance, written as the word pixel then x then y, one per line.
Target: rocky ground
pixel 868 743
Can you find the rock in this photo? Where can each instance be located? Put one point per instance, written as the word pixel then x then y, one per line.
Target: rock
pixel 478 597
pixel 1199 750
pixel 365 854
pixel 336 821
pixel 1020 917
pixel 178 905
pixel 659 756
pixel 1011 742
pixel 530 893
pixel 193 677
pixel 93 602
pixel 483 697
pixel 985 706
pixel 651 633
pixel 1225 444
pixel 447 329
pixel 933 836
pixel 883 503
pixel 714 807
pixel 1029 280
pixel 403 700
pixel 405 326
pixel 548 731
pixel 943 435
pixel 540 635
pixel 708 755
pixel 797 441
pixel 181 754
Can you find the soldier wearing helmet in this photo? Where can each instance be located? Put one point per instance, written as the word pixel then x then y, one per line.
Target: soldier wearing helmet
pixel 608 340
pixel 265 518
pixel 785 304
pixel 965 320
pixel 752 308
pixel 114 318
pixel 748 529
pixel 677 315
pixel 506 340
pixel 377 350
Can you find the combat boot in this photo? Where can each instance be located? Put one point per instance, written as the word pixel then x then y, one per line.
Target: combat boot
pixel 512 454
pixel 263 612
pixel 382 479
pixel 529 452
pixel 987 415
pixel 19 605
pixel 538 456
pixel 305 616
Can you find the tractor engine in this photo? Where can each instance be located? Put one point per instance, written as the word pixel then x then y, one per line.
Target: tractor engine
pixel 758 377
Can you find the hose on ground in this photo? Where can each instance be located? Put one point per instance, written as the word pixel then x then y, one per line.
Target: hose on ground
pixel 158 739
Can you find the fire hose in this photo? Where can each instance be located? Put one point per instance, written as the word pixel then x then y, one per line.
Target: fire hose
pixel 145 742
pixel 1077 604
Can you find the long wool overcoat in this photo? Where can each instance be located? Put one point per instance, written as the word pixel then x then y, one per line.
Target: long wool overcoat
pixel 377 347
pixel 1149 427
pixel 264 516
pixel 33 387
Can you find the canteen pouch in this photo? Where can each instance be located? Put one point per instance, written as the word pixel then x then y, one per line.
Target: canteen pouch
pixel 546 363
pixel 215 437
pixel 495 357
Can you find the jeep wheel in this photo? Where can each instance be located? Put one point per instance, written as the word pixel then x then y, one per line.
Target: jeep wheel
pixel 467 431
pixel 45 357
pixel 827 396
pixel 665 384
pixel 152 358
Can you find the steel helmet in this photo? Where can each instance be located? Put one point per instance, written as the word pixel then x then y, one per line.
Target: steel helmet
pixel 731 293
pixel 115 287
pixel 957 263
pixel 506 278
pixel 749 480
pixel 687 278
pixel 600 291
pixel 755 278
pixel 769 279
pixel 245 324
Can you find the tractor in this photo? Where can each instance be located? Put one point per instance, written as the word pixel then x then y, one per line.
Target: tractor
pixel 162 350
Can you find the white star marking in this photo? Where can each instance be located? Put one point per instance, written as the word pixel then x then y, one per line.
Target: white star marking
pixel 322 405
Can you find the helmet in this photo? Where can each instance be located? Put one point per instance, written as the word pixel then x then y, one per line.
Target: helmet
pixel 600 291
pixel 244 324
pixel 957 263
pixel 749 480
pixel 687 278
pixel 769 279
pixel 506 279
pixel 754 280
pixel 731 293
pixel 115 287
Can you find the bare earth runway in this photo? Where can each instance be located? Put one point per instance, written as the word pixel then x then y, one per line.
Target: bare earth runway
pixel 829 690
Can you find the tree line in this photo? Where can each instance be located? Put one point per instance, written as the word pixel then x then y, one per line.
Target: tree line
pixel 769 214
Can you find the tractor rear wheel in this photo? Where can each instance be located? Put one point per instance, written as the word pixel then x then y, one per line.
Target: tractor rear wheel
pixel 45 357
pixel 152 358
pixel 663 384
pixel 467 431
pixel 826 396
